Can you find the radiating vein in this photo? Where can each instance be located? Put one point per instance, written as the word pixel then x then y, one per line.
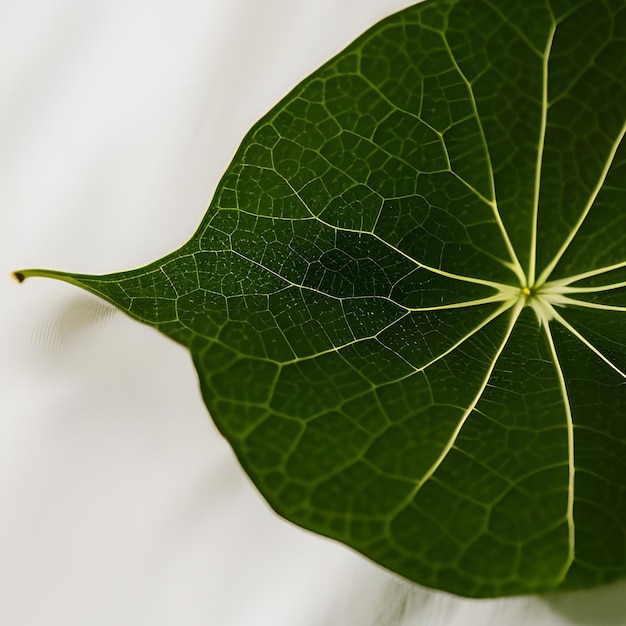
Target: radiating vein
pixel 338 349
pixel 501 287
pixel 505 306
pixel 499 297
pixel 591 347
pixel 540 150
pixel 492 188
pixel 517 308
pixel 570 452
pixel 590 274
pixel 563 300
pixel 468 279
pixel 595 289
pixel 592 198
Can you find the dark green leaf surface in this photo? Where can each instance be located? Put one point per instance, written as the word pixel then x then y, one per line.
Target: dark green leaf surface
pixel 406 300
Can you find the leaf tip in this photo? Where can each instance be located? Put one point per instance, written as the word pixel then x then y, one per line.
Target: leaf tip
pixel 20 277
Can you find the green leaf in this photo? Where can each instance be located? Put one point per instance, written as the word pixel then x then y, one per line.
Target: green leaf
pixel 406 301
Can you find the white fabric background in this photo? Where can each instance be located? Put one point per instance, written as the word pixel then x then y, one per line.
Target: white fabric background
pixel 119 502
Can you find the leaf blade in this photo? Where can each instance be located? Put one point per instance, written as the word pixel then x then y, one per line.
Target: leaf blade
pixel 361 306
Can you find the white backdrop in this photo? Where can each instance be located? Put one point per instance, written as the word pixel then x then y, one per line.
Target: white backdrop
pixel 119 501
